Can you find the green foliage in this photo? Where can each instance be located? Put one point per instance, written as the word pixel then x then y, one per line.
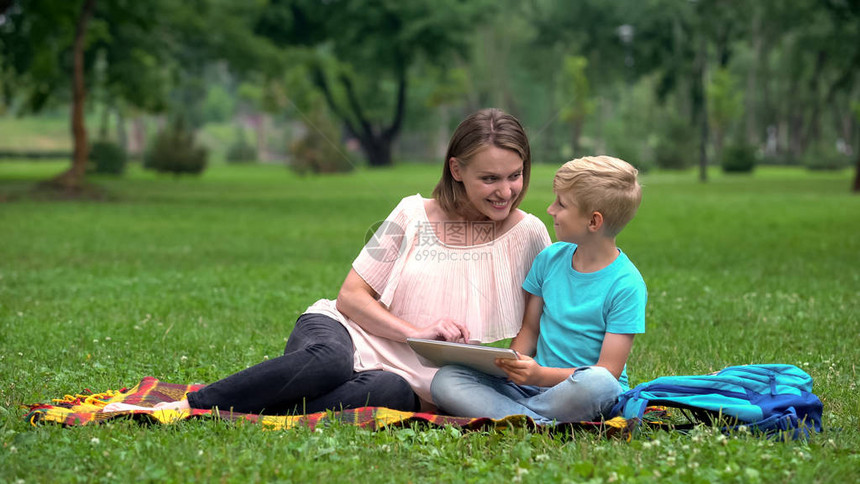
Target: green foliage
pixel 173 150
pixel 738 158
pixel 725 101
pixel 823 156
pixel 320 149
pixel 241 151
pixel 219 105
pixel 676 148
pixel 108 157
pixel 576 95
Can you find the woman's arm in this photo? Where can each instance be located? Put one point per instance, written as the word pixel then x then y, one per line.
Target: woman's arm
pixel 359 302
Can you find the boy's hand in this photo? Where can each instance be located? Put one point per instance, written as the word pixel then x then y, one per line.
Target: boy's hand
pixel 524 371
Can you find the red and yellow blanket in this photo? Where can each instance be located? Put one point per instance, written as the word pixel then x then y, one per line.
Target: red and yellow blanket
pixel 87 408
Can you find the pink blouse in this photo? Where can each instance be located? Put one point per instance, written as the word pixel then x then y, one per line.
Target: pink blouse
pixel 420 280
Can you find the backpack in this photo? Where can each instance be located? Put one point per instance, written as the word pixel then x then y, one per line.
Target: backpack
pixel 766 398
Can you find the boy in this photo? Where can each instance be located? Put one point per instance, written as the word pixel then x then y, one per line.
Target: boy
pixel 586 301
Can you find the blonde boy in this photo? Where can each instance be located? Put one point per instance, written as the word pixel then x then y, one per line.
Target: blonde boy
pixel 586 302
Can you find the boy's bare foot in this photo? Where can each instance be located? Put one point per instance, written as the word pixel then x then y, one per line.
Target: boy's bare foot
pixel 177 405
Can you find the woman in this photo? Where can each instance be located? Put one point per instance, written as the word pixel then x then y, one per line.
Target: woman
pixel 447 268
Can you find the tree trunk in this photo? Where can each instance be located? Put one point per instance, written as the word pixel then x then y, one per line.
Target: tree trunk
pixel 376 143
pixel 700 106
pixel 575 135
pixel 138 136
pixel 73 178
pixel 121 134
pixel 378 152
pixel 856 188
pixel 753 135
pixel 856 146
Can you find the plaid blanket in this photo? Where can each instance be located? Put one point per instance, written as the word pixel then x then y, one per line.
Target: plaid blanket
pixel 87 408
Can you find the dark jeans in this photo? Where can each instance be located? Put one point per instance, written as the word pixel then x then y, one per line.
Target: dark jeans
pixel 314 374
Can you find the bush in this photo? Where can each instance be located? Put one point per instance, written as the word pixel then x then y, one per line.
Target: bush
pixel 319 150
pixel 108 158
pixel 241 151
pixel 174 151
pixel 676 147
pixel 738 158
pixel 822 157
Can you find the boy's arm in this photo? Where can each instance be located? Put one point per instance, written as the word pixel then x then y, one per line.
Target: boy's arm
pixel 525 342
pixel 614 352
pixel 613 356
pixel 525 370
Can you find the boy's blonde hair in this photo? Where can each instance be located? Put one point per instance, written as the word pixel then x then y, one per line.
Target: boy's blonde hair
pixel 601 184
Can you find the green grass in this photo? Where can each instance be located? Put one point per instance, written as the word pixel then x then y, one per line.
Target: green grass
pixel 190 279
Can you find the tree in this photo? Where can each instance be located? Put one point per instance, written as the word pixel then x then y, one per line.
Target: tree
pixel 71 179
pixel 360 51
pixel 51 47
pixel 37 36
pixel 725 105
pixel 578 104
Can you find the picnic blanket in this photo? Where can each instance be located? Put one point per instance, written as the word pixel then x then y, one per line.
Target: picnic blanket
pixel 87 408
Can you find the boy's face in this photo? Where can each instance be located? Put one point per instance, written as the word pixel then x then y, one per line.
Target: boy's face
pixel 570 224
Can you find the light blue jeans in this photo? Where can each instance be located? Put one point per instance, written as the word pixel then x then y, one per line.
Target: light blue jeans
pixel 586 395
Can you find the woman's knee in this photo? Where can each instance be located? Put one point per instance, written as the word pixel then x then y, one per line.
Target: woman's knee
pixel 387 389
pixel 312 329
pixel 330 359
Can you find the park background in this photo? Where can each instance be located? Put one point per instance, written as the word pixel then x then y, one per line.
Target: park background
pixel 180 180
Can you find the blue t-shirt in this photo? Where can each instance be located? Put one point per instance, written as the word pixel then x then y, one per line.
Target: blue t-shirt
pixel 580 308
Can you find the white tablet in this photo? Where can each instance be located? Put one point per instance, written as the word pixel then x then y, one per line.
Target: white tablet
pixel 440 353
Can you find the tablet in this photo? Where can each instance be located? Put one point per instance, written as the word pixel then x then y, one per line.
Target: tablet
pixel 440 353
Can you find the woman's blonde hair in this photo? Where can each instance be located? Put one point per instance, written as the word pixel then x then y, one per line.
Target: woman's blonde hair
pixel 487 127
pixel 601 184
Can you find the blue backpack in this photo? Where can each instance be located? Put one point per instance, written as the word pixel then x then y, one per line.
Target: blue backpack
pixel 767 398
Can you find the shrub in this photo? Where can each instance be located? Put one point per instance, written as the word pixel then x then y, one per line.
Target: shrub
pixel 676 146
pixel 319 150
pixel 738 158
pixel 174 151
pixel 823 157
pixel 241 151
pixel 108 158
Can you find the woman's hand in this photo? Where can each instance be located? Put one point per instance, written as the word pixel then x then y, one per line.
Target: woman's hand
pixel 523 371
pixel 444 329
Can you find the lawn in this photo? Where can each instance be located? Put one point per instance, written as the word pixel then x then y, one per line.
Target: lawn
pixel 190 279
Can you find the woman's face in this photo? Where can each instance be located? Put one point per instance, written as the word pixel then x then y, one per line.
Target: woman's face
pixel 493 180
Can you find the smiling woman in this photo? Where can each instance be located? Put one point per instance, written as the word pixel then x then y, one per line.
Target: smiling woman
pixel 493 181
pixel 447 268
